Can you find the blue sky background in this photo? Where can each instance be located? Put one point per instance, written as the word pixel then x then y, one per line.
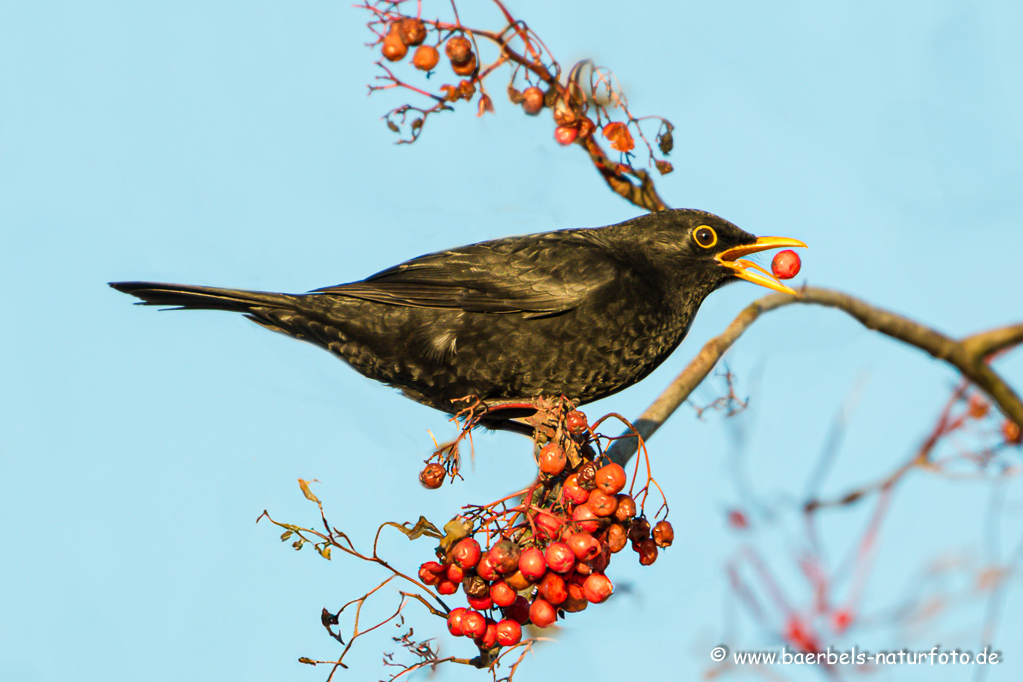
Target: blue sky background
pixel 232 143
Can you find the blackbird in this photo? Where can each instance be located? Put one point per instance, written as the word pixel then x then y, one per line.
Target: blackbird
pixel 582 313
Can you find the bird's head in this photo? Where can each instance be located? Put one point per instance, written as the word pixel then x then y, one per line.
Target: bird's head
pixel 704 252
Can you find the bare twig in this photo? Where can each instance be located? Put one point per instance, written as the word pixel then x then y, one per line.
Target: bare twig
pixel 968 355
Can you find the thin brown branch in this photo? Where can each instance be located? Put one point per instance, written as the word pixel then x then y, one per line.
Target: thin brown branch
pixel 968 356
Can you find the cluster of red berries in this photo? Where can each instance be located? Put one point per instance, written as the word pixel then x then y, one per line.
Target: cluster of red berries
pixel 554 558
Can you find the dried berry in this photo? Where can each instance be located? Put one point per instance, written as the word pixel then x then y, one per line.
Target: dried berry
pixel 785 264
pixel 626 507
pixel 475 586
pixel 458 49
pixel 466 69
pixel 663 534
pixel 647 550
pixel 432 476
pixel 575 421
pixel 617 537
pixel 532 100
pixel 618 135
pixel 587 476
pixel 412 31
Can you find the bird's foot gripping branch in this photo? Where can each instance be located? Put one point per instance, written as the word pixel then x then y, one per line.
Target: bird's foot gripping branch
pixel 520 562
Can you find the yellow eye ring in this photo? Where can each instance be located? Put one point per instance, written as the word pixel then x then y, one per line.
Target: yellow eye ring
pixel 705 236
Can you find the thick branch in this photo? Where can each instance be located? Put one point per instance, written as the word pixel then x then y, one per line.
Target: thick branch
pixel 967 355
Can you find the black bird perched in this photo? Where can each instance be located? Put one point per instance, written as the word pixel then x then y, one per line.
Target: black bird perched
pixel 582 313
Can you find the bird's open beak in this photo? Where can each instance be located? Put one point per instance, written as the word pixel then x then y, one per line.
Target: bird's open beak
pixel 732 259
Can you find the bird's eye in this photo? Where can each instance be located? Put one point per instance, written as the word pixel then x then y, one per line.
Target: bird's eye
pixel 705 236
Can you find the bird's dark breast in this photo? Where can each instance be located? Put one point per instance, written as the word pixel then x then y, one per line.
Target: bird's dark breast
pixel 437 356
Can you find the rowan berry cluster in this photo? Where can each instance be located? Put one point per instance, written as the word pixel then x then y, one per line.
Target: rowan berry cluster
pixel 546 554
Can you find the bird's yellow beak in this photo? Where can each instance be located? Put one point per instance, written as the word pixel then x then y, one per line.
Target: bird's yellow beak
pixel 732 259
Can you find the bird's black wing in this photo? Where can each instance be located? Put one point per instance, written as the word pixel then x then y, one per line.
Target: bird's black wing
pixel 540 275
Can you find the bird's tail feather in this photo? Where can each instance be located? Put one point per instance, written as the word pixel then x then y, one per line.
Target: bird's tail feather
pixel 184 296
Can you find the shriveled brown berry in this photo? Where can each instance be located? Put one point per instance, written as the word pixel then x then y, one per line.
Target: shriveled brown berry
pixel 575 421
pixel 425 58
pixel 663 534
pixel 785 264
pixel 1011 431
pixel 587 476
pixel 617 537
pixel 412 31
pixel 626 507
pixel 639 530
pixel 532 100
pixel 466 89
pixel 458 49
pixel 552 459
pixel 475 586
pixel 610 478
pixel 647 551
pixel 467 68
